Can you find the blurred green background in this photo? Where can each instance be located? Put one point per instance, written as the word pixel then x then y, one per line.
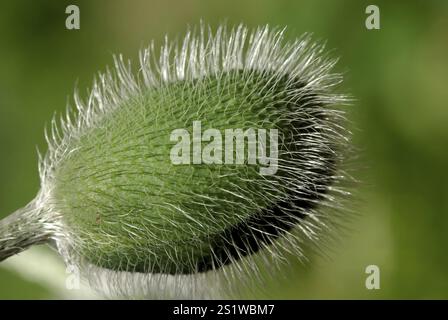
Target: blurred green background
pixel 398 74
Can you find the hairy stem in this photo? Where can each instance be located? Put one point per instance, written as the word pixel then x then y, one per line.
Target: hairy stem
pixel 20 230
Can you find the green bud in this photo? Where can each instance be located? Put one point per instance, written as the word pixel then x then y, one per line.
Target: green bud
pixel 230 144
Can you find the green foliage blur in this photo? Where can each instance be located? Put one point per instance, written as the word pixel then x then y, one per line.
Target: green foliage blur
pixel 398 75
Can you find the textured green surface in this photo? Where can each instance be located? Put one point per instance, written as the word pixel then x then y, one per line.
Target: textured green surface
pixel 135 209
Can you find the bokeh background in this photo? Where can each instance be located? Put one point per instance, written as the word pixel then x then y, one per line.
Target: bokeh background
pixel 398 74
